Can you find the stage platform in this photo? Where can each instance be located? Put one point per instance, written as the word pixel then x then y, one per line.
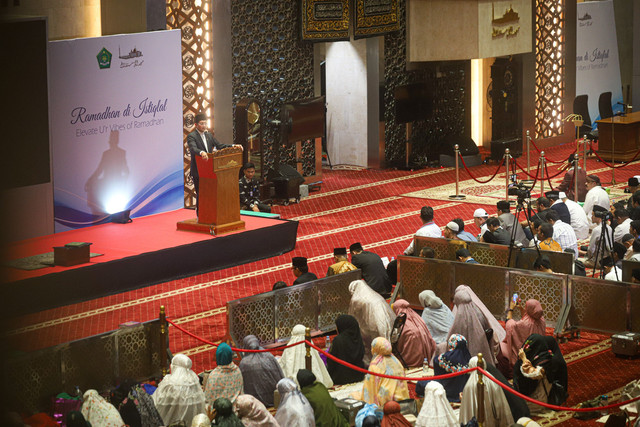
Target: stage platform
pixel 147 251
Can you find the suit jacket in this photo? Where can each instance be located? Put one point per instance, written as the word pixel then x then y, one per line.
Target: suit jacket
pixel 563 212
pixel 373 271
pixel 304 278
pixel 507 220
pixel 196 145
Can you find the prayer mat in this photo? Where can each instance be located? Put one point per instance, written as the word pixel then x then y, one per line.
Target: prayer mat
pixel 36 262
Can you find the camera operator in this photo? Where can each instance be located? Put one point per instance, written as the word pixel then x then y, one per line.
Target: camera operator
pixel 509 220
pixel 599 216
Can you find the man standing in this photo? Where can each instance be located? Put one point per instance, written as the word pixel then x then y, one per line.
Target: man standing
pixel 201 142
pixel 428 229
pixel 301 270
pixel 596 195
pixel 340 262
pixel 373 270
pixel 509 220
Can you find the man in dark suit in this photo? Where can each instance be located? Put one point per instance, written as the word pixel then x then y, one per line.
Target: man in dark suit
pixel 301 270
pixel 373 271
pixel 201 142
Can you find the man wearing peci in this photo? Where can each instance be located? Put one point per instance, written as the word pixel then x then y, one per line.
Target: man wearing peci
pixel 201 142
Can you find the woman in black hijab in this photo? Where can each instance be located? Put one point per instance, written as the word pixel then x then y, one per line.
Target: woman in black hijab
pixel 541 371
pixel 347 346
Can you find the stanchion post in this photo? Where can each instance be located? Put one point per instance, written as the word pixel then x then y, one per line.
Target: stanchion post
pixel 307 357
pixel 507 155
pixel 528 152
pixel 576 165
pixel 480 392
pixel 163 340
pixel 542 160
pixel 457 196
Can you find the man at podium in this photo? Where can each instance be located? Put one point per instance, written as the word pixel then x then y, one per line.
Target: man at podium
pixel 200 143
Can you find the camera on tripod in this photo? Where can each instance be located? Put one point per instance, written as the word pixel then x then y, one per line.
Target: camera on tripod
pixel 603 214
pixel 520 190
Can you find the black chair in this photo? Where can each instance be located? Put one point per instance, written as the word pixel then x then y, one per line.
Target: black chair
pixel 604 105
pixel 581 107
pixel 398 326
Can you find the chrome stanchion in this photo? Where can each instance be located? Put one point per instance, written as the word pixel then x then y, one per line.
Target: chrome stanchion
pixel 542 160
pixel 457 196
pixel 576 165
pixel 507 155
pixel 528 153
pixel 480 392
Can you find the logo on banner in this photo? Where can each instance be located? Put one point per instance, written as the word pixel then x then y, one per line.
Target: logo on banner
pixel 104 58
pixel 132 59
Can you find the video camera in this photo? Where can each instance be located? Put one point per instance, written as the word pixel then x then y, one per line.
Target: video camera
pixel 603 215
pixel 520 190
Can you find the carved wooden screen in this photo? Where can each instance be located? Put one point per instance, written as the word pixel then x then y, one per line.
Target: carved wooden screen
pixel 193 18
pixel 550 68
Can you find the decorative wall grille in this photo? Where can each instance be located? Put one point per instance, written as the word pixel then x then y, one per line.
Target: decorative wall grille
pixel 550 68
pixel 193 19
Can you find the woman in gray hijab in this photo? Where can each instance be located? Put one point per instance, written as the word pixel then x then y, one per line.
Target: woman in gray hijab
pixel 294 408
pixel 436 315
pixel 260 371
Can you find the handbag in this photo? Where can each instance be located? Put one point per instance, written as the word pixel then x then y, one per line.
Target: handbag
pixel 618 419
pixel 593 403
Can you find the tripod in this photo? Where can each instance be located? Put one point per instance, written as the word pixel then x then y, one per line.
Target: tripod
pixel 604 244
pixel 526 193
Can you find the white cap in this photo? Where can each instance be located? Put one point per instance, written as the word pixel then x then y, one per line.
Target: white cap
pixel 480 213
pixel 562 195
pixel 453 227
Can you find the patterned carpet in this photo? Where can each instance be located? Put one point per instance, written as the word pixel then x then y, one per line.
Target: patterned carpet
pixel 376 207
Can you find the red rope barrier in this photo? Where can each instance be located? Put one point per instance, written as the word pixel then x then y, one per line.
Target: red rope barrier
pixel 554 407
pixel 430 378
pixel 614 166
pixel 549 176
pixel 527 173
pixel 476 180
pixel 549 160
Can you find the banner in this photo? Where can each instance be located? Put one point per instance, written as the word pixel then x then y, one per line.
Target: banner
pixel 115 111
pixel 597 64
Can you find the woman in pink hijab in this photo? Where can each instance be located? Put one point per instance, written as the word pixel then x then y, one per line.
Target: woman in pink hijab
pixel 415 343
pixel 532 322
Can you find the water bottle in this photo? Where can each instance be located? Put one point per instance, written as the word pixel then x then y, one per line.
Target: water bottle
pixel 327 343
pixel 425 367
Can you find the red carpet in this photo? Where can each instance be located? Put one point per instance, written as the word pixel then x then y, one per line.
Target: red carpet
pixel 352 206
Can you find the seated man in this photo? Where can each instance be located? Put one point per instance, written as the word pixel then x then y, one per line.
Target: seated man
pixel 373 270
pixel 605 247
pixel 427 252
pixel 463 255
pixel 562 232
pixel 542 264
pixel 496 234
pixel 545 237
pixel 624 223
pixel 559 206
pixel 341 264
pixel 480 218
pixel 428 229
pixel 279 285
pixel 508 221
pixel 579 220
pixel 250 191
pixel 451 231
pixel 301 270
pixel 464 235
pixel 568 184
pixel 632 187
pixel 611 272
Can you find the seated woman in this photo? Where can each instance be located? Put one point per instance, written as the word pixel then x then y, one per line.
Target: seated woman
pixel 201 420
pixel 253 413
pixel 179 396
pixel 98 412
pixel 347 346
pixel 225 417
pixel 293 359
pixel 380 390
pixel 436 315
pixel 374 315
pixel 531 322
pixel 226 379
pixel 436 410
pixel 260 371
pixel 474 321
pixel 325 411
pixel 392 416
pixel 540 364
pixel 496 408
pixel 455 359
pixel 415 343
pixel 294 409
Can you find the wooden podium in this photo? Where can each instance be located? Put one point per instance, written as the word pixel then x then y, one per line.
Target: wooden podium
pixel 624 131
pixel 219 204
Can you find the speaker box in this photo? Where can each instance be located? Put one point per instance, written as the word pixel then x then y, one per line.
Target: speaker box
pixel 465 144
pixel 499 146
pixel 286 181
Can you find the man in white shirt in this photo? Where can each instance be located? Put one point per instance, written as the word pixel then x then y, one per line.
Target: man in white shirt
pixel 596 195
pixel 624 222
pixel 562 233
pixel 596 234
pixel 611 272
pixel 579 221
pixel 428 229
